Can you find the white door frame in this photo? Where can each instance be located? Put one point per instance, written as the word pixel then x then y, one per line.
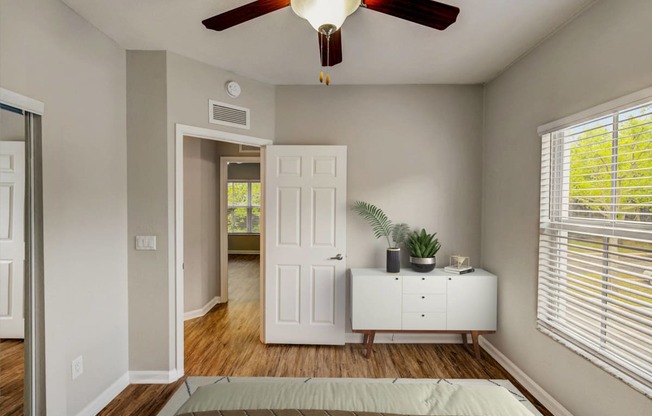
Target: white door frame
pixel 176 249
pixel 224 234
pixel 35 397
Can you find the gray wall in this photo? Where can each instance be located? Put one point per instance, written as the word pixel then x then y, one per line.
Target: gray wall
pixel 165 89
pixel 150 302
pixel 49 53
pixel 250 171
pixel 12 126
pixel 600 56
pixel 415 151
pixel 201 222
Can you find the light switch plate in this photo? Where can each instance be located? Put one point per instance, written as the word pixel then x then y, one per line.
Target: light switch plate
pixel 145 242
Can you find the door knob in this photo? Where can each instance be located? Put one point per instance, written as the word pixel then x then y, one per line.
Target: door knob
pixel 338 257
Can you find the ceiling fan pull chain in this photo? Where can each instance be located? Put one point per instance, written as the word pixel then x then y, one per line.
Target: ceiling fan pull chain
pixel 328 58
pixel 321 52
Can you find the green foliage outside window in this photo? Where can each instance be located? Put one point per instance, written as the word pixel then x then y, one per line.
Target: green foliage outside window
pixel 243 207
pixel 611 178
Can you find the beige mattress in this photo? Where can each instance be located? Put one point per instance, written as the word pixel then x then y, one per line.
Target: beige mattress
pixel 405 398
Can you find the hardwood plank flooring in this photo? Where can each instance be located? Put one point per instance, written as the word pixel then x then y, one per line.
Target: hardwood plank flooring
pixel 226 342
pixel 11 377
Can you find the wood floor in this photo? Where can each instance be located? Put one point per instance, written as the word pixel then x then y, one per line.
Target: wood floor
pixel 11 377
pixel 226 342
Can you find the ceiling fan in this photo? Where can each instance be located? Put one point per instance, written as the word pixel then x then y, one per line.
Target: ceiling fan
pixel 327 17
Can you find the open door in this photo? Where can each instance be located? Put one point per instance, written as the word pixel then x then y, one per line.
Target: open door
pixel 305 244
pixel 12 239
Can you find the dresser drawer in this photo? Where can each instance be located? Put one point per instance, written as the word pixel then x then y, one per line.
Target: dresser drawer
pixel 427 302
pixel 424 321
pixel 424 284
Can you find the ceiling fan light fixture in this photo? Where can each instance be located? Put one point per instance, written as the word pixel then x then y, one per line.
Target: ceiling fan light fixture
pixel 326 16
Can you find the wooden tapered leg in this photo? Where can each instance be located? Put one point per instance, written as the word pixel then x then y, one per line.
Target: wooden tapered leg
pixel 370 342
pixel 476 344
pixel 464 340
pixel 366 338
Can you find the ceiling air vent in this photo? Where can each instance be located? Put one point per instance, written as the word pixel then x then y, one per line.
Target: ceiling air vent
pixel 228 115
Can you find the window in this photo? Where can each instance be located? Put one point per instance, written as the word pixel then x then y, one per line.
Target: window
pixel 595 240
pixel 243 207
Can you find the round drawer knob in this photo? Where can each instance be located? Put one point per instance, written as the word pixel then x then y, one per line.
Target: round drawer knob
pixel 423 278
pixel 396 278
pixel 423 316
pixel 423 297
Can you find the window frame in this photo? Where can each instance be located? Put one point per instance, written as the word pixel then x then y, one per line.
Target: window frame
pixel 249 207
pixel 556 227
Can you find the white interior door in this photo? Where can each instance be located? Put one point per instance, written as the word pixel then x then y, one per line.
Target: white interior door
pixel 305 244
pixel 12 239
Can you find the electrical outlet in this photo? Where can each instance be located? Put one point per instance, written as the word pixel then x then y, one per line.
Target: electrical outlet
pixel 77 367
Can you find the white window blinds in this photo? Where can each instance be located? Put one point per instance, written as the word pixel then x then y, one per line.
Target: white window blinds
pixel 595 241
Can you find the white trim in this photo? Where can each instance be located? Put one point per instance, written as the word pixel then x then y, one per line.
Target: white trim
pixel 530 385
pixel 176 247
pixel 202 311
pixel 101 401
pixel 222 136
pixel 406 338
pixel 597 111
pixel 153 377
pixel 21 102
pixel 244 251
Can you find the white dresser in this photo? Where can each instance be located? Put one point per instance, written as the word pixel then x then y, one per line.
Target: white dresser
pixel 434 302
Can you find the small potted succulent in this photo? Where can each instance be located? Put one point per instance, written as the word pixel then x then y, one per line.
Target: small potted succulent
pixel 423 247
pixel 383 227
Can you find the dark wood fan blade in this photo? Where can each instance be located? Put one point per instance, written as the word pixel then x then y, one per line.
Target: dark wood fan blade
pixel 331 52
pixel 244 13
pixel 424 12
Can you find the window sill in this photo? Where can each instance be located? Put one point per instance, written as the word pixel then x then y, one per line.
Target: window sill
pixel 243 234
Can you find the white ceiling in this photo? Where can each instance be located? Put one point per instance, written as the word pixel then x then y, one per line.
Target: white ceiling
pixel 281 49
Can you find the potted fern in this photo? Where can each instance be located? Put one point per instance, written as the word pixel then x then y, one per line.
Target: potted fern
pixel 383 227
pixel 423 247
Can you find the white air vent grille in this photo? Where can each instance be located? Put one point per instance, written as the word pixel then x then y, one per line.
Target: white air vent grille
pixel 228 115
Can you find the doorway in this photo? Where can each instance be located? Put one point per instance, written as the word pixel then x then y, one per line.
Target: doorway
pixel 206 138
pixel 240 213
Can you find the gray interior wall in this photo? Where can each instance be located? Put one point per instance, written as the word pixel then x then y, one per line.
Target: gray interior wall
pixel 247 171
pixel 12 126
pixel 600 56
pixel 165 89
pixel 49 53
pixel 150 303
pixel 191 84
pixel 414 151
pixel 201 173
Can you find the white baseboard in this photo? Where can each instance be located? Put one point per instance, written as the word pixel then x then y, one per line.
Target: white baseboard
pixel 203 311
pixel 407 338
pixel 101 401
pixel 244 251
pixel 537 391
pixel 153 377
